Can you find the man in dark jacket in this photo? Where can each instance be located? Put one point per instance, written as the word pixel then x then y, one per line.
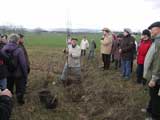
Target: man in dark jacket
pixel 92 48
pixel 21 45
pixel 3 72
pixel 5 104
pixel 126 50
pixel 3 69
pixel 115 51
pixel 2 42
pixel 4 38
pixel 19 75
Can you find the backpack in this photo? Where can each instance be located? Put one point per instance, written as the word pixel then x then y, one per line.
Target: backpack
pixel 11 61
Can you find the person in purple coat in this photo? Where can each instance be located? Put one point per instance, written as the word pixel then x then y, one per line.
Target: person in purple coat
pixel 18 75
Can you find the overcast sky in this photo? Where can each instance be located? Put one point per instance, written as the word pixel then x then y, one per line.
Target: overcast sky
pixel 95 14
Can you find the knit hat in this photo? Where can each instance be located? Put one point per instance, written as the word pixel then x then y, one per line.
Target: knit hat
pixel 146 32
pixel 128 30
pixel 155 24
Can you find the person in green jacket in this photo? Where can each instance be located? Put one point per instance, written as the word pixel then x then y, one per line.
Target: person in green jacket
pixel 152 72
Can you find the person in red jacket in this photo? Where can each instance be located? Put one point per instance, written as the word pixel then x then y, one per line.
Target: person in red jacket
pixel 143 48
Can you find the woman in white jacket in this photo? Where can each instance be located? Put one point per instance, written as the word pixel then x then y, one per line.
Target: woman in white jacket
pixel 84 45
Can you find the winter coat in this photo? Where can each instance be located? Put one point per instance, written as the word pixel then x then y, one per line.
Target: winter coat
pixel 3 68
pixel 74 56
pixel 5 107
pixel 26 55
pixel 84 44
pixel 152 64
pixel 92 45
pixel 128 47
pixel 106 44
pixel 143 48
pixel 114 39
pixel 2 45
pixel 18 53
pixel 115 49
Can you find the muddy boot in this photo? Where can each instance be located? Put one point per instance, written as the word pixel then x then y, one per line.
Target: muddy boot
pixel 20 99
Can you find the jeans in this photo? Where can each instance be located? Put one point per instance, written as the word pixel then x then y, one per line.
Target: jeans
pixel 117 64
pixel 126 68
pixel 3 84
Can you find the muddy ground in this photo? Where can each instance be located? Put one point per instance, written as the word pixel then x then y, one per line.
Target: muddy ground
pixel 101 95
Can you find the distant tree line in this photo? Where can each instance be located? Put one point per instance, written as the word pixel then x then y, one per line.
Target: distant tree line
pixel 7 29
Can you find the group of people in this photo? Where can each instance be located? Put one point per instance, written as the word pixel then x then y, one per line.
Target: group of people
pixel 14 70
pixel 84 45
pixel 123 49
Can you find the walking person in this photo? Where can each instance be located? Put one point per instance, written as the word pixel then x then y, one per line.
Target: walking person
pixel 106 47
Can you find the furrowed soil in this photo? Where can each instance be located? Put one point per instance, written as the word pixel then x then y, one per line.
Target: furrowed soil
pixel 101 95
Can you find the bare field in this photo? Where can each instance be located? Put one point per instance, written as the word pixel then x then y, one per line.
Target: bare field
pixel 100 96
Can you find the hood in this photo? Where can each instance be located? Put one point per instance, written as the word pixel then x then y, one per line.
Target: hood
pixel 11 46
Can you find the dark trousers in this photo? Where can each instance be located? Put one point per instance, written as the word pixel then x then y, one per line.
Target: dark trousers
pixel 20 84
pixel 5 107
pixel 154 104
pixel 117 64
pixel 83 52
pixel 106 60
pixel 140 78
pixel 112 58
pixel 132 65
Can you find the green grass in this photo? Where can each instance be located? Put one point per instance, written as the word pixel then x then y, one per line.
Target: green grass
pixel 56 40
